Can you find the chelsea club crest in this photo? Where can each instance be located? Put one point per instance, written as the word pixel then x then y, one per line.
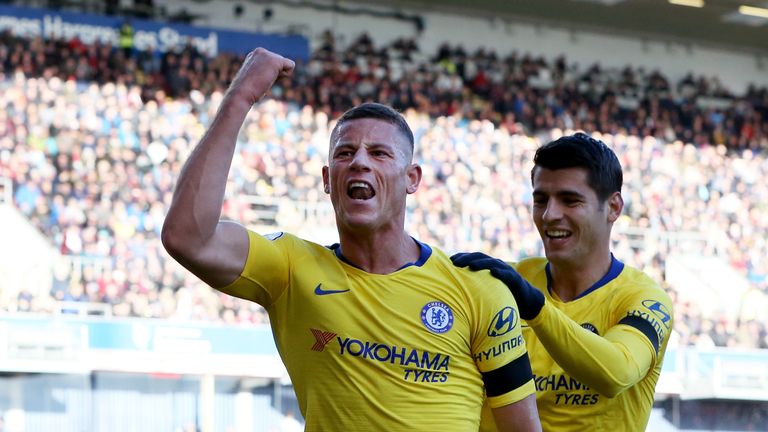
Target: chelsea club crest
pixel 437 317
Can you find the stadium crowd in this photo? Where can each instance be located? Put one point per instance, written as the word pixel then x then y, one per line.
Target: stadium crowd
pixel 91 135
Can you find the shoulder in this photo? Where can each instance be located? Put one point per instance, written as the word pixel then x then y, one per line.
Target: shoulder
pixel 277 237
pixel 464 278
pixel 440 264
pixel 635 280
pixel 530 267
pixel 287 242
pixel 636 288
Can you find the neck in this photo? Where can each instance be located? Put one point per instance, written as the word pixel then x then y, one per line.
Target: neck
pixel 570 280
pixel 379 253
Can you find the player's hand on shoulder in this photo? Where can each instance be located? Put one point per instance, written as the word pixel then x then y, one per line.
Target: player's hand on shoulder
pixel 259 71
pixel 477 261
pixel 529 299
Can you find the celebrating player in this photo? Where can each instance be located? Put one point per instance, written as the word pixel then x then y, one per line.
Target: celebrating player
pixel 380 331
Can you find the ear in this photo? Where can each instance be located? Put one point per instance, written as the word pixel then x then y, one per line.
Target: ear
pixel 326 180
pixel 414 178
pixel 615 206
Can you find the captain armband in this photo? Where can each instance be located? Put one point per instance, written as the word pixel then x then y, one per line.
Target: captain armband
pixel 508 377
pixel 644 327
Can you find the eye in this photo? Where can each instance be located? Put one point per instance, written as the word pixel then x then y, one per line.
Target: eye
pixel 571 201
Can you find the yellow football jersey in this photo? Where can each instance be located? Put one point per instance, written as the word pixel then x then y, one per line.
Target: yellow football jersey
pixel 623 296
pixel 411 350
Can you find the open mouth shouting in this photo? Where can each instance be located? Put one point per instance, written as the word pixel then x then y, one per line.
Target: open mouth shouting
pixel 360 190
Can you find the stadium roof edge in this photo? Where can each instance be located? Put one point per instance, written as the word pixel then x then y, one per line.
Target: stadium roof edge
pixel 656 20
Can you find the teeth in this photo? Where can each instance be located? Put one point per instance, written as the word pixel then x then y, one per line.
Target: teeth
pixel 359 185
pixel 360 190
pixel 557 233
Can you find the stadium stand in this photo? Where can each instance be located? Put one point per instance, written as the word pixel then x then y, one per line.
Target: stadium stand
pixel 67 182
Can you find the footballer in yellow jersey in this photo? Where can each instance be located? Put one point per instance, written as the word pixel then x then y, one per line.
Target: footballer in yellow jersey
pixel 621 398
pixel 410 350
pixel 596 329
pixel 401 340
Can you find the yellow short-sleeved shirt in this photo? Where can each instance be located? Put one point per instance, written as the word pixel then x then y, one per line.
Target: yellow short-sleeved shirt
pixel 403 351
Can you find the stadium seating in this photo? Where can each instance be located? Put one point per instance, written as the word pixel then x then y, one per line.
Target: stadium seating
pixel 476 152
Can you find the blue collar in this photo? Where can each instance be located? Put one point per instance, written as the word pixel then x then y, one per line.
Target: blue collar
pixel 613 272
pixel 424 253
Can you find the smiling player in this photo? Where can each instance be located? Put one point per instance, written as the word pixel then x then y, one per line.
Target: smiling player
pixel 598 328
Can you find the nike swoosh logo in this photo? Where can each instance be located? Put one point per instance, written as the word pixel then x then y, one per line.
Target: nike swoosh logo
pixel 320 291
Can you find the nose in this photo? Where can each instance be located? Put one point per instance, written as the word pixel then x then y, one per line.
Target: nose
pixel 361 160
pixel 552 212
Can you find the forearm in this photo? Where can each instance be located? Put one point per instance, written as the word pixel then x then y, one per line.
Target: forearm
pixel 519 416
pixel 609 364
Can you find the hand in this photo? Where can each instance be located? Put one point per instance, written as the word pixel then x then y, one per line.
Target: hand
pixel 529 299
pixel 259 71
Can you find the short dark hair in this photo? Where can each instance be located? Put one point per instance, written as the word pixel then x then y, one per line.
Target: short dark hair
pixel 375 111
pixel 580 150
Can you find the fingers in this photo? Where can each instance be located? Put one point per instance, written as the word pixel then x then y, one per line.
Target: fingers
pixel 263 60
pixel 259 72
pixel 286 68
pixel 459 259
pixel 478 261
pixel 485 264
pixel 466 259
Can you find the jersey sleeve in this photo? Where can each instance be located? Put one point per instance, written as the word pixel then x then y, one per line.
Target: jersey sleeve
pixel 623 356
pixel 498 347
pixel 266 272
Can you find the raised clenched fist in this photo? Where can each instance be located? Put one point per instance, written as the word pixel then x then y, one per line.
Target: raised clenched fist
pixel 259 71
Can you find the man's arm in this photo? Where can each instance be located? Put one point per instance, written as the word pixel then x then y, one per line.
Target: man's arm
pixel 511 395
pixel 610 364
pixel 214 250
pixel 518 416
